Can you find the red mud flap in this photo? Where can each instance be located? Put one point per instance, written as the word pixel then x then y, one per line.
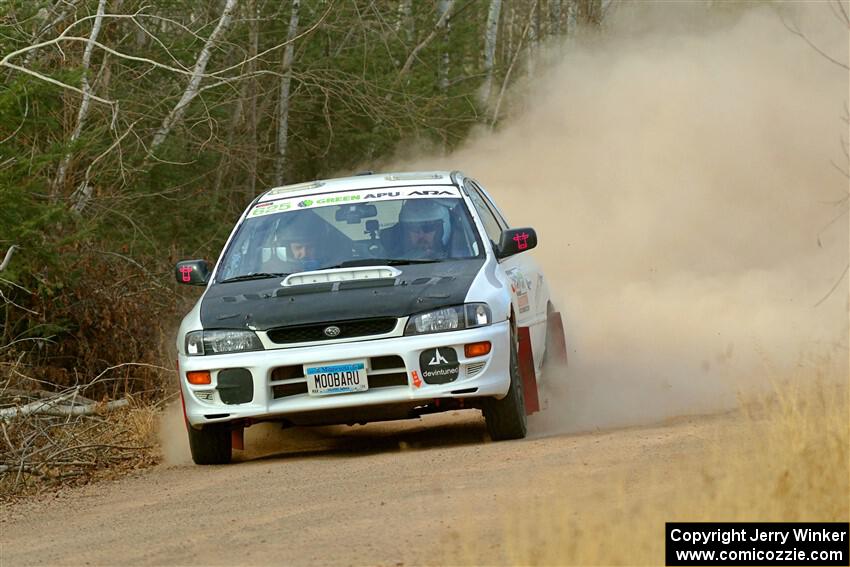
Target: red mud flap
pixel 237 438
pixel 526 370
pixel 556 343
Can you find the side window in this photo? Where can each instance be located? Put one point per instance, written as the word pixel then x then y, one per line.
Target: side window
pixel 491 225
pixel 490 205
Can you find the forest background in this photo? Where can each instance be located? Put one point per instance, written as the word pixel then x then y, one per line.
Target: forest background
pixel 132 135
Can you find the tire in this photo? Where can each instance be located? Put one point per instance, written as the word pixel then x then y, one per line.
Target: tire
pixel 212 445
pixel 506 418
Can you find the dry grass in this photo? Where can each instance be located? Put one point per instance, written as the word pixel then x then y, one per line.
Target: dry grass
pixel 43 453
pixel 782 457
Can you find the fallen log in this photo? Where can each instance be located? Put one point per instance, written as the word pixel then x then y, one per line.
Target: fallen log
pixel 58 407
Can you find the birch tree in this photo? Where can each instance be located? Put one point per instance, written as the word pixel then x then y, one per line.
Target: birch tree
pixel 491 36
pixel 438 27
pixel 555 17
pixel 514 58
pixel 251 114
pixel 404 23
pixel 82 113
pixel 589 12
pixel 445 8
pixel 533 36
pixel 176 115
pixel 286 80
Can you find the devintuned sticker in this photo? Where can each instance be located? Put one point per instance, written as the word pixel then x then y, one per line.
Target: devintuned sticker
pixel 439 365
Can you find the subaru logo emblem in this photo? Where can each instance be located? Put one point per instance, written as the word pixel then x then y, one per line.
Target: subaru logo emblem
pixel 332 331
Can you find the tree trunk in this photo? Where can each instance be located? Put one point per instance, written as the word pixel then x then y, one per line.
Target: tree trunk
pixel 589 12
pixel 533 36
pixel 572 18
pixel 438 27
pixel 251 103
pixel 404 23
pixel 59 183
pixel 176 115
pixel 283 115
pixel 555 17
pixel 445 9
pixel 491 36
pixel 506 80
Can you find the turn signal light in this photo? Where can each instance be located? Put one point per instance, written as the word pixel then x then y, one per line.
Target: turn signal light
pixel 476 349
pixel 199 377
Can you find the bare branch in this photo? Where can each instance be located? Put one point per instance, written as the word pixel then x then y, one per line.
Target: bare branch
pixel 8 256
pixel 278 46
pixel 176 114
pixel 510 69
pixel 438 27
pixel 797 32
pixel 53 81
pixel 835 286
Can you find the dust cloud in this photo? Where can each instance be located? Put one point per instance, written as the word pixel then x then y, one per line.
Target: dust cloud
pixel 678 171
pixel 173 441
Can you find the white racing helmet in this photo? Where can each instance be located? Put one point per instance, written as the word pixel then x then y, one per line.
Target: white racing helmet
pixel 291 228
pixel 425 212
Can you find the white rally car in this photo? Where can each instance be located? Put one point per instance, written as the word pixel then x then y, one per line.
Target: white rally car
pixel 367 298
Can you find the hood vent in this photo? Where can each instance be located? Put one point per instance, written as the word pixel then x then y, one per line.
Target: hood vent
pixel 341 275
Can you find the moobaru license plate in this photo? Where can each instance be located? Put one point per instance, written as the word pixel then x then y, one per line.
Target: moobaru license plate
pixel 336 377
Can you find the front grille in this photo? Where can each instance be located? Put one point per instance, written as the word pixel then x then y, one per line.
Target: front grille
pixel 287 373
pixel 386 362
pixel 387 380
pixel 347 329
pixel 284 390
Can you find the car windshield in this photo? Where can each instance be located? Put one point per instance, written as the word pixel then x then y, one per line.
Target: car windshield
pixel 286 236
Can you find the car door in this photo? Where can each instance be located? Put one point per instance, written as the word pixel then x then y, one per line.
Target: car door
pixel 529 293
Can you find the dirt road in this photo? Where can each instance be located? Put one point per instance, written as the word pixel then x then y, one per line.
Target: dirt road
pixel 384 494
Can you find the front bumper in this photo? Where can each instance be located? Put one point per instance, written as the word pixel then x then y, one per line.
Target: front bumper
pixel 482 376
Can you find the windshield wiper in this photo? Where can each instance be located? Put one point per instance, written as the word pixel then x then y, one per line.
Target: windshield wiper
pixel 378 262
pixel 254 276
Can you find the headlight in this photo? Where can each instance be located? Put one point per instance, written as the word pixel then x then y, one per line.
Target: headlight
pixel 219 342
pixel 449 319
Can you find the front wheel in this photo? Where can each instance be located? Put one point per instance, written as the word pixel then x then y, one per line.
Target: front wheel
pixel 212 445
pixel 506 418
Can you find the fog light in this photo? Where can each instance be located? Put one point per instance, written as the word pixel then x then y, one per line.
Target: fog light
pixel 476 349
pixel 199 377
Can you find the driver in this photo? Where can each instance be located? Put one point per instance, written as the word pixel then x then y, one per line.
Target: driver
pixel 425 227
pixel 297 244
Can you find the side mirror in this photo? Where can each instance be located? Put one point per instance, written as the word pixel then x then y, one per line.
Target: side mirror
pixel 192 272
pixel 516 240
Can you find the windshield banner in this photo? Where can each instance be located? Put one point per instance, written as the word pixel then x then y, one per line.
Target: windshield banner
pixel 359 196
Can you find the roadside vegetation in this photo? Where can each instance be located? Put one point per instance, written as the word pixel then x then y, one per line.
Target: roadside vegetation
pixel 782 458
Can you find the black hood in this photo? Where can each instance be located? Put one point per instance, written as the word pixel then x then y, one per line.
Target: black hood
pixel 264 304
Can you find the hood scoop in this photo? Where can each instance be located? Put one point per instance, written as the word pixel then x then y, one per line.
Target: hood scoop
pixel 341 275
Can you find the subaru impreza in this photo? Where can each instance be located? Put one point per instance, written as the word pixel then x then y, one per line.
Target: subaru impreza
pixel 367 298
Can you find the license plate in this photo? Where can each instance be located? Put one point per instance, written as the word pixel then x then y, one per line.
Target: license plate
pixel 341 377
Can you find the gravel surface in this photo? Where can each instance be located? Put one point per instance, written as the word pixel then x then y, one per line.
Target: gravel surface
pixel 400 493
